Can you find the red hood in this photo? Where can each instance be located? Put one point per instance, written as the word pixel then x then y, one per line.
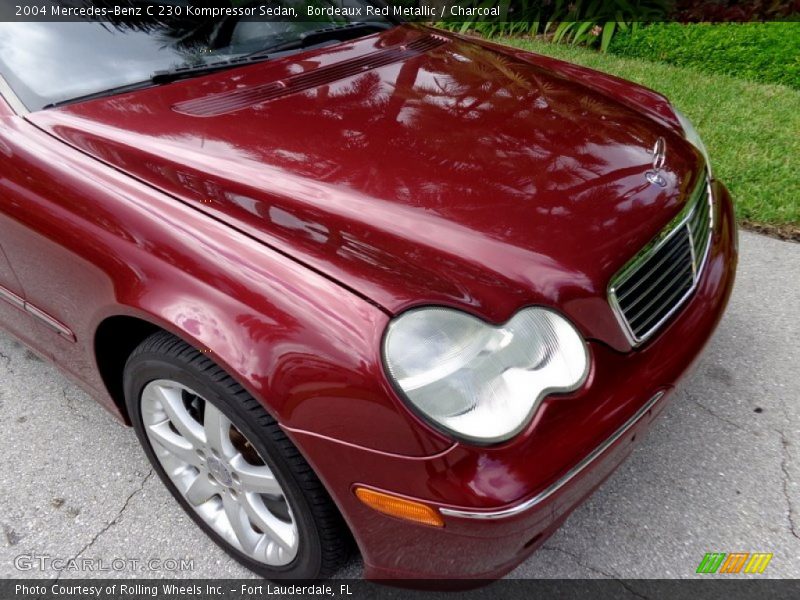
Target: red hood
pixel 413 169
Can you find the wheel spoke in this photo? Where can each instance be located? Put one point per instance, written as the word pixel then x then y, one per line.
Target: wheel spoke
pixel 255 478
pixel 171 401
pixel 200 490
pixel 239 523
pixel 177 445
pixel 218 430
pixel 279 531
pixel 216 469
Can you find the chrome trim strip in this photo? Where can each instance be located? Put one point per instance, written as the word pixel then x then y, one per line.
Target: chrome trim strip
pixel 552 489
pixel 11 98
pixel 50 322
pixel 38 314
pixel 681 221
pixel 11 298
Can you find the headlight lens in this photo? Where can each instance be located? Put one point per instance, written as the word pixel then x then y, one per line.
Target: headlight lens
pixel 693 137
pixel 479 382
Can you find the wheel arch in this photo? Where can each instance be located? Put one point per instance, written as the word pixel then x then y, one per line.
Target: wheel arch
pixel 115 338
pixel 119 333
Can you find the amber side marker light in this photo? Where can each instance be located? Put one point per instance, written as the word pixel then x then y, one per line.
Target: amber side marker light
pixel 399 507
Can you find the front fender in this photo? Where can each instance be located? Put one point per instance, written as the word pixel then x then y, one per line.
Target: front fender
pixel 95 243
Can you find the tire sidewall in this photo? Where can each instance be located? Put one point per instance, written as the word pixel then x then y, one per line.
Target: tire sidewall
pixel 145 368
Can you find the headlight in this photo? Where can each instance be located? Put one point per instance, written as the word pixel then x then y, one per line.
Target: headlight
pixel 693 138
pixel 479 382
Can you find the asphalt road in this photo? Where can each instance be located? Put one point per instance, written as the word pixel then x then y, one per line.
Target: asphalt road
pixel 718 472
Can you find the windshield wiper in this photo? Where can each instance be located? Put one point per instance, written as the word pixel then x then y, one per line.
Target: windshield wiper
pixel 311 38
pixel 101 94
pixel 318 36
pixel 170 75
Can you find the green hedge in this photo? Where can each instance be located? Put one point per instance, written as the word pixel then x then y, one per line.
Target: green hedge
pixel 762 52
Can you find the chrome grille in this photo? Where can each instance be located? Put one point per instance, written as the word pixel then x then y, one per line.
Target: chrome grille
pixel 648 290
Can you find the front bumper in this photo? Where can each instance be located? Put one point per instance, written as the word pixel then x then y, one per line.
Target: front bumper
pixel 502 502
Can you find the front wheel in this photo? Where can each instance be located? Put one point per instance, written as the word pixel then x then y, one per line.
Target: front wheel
pixel 229 465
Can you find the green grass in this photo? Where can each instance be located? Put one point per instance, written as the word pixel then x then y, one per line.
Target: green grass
pixel 763 52
pixel 752 130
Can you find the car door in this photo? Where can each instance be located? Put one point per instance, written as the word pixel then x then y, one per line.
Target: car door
pixel 42 230
pixel 19 314
pixel 12 306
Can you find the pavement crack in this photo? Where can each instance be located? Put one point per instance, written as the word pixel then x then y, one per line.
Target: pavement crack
pixel 786 479
pixel 614 576
pixel 580 562
pixel 786 455
pixel 694 400
pixel 7 358
pixel 110 524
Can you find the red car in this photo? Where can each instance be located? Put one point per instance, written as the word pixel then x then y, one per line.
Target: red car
pixel 358 280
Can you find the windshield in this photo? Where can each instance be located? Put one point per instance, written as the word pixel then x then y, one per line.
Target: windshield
pixel 52 62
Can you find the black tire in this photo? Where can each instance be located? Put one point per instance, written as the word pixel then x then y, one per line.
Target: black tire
pixel 324 541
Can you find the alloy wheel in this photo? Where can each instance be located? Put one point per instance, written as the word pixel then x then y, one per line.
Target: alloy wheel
pixel 219 472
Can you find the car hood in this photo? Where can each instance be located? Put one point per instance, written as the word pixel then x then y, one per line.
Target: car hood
pixel 414 168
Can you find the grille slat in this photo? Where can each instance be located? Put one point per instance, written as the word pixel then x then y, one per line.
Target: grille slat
pixel 700 229
pixel 666 307
pixel 661 303
pixel 698 222
pixel 680 268
pixel 675 268
pixel 676 249
pixel 657 281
